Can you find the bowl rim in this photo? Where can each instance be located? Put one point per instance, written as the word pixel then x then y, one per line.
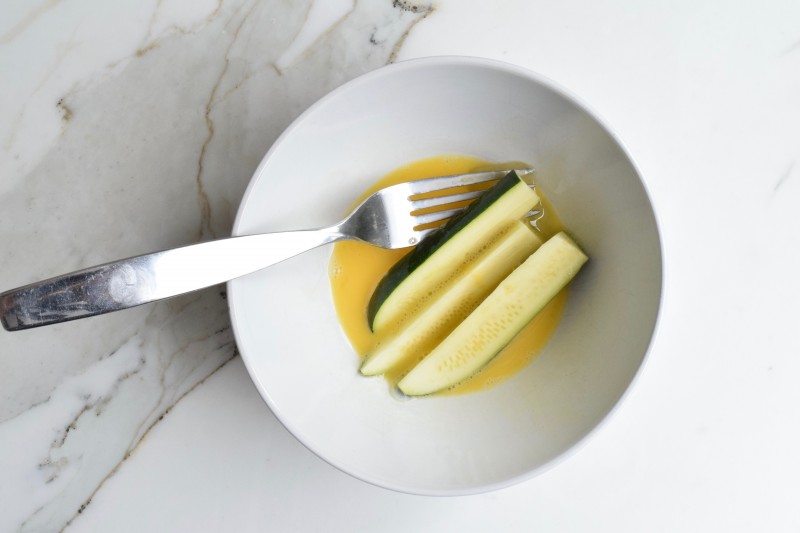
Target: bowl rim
pixel 392 69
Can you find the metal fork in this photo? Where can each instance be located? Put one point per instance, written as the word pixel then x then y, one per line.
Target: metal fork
pixel 388 219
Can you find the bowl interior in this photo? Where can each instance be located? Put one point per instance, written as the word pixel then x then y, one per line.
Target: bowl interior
pixel 288 332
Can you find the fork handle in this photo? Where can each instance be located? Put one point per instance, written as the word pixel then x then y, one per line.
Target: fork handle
pixel 150 277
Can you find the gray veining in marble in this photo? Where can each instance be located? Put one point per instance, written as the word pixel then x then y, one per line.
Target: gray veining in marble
pixel 154 152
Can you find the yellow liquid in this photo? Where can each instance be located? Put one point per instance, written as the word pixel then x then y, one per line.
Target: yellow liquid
pixel 357 268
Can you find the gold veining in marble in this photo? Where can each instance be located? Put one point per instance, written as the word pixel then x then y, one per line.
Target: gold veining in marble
pixel 162 141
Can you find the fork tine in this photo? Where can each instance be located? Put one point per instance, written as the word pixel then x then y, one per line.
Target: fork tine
pixel 417 205
pixel 422 233
pixel 437 216
pixel 459 180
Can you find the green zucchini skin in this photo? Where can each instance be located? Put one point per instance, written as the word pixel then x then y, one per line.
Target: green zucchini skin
pixel 498 319
pixel 431 326
pixel 410 262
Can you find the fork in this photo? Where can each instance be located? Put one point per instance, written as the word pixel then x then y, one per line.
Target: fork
pixel 393 217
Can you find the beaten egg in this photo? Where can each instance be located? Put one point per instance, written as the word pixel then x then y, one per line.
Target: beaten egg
pixel 357 268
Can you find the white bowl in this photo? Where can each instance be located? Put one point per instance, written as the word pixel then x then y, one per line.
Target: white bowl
pixel 287 329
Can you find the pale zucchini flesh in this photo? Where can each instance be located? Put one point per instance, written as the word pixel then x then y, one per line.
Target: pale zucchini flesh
pixel 430 265
pixel 495 322
pixel 427 329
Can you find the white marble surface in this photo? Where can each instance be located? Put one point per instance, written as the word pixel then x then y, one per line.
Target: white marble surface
pixel 132 126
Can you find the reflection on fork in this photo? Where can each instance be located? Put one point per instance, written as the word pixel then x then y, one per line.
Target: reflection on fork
pixel 394 217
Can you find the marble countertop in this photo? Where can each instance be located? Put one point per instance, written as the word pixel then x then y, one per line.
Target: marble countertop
pixel 127 127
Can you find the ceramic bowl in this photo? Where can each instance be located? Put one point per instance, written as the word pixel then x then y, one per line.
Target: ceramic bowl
pixel 287 329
